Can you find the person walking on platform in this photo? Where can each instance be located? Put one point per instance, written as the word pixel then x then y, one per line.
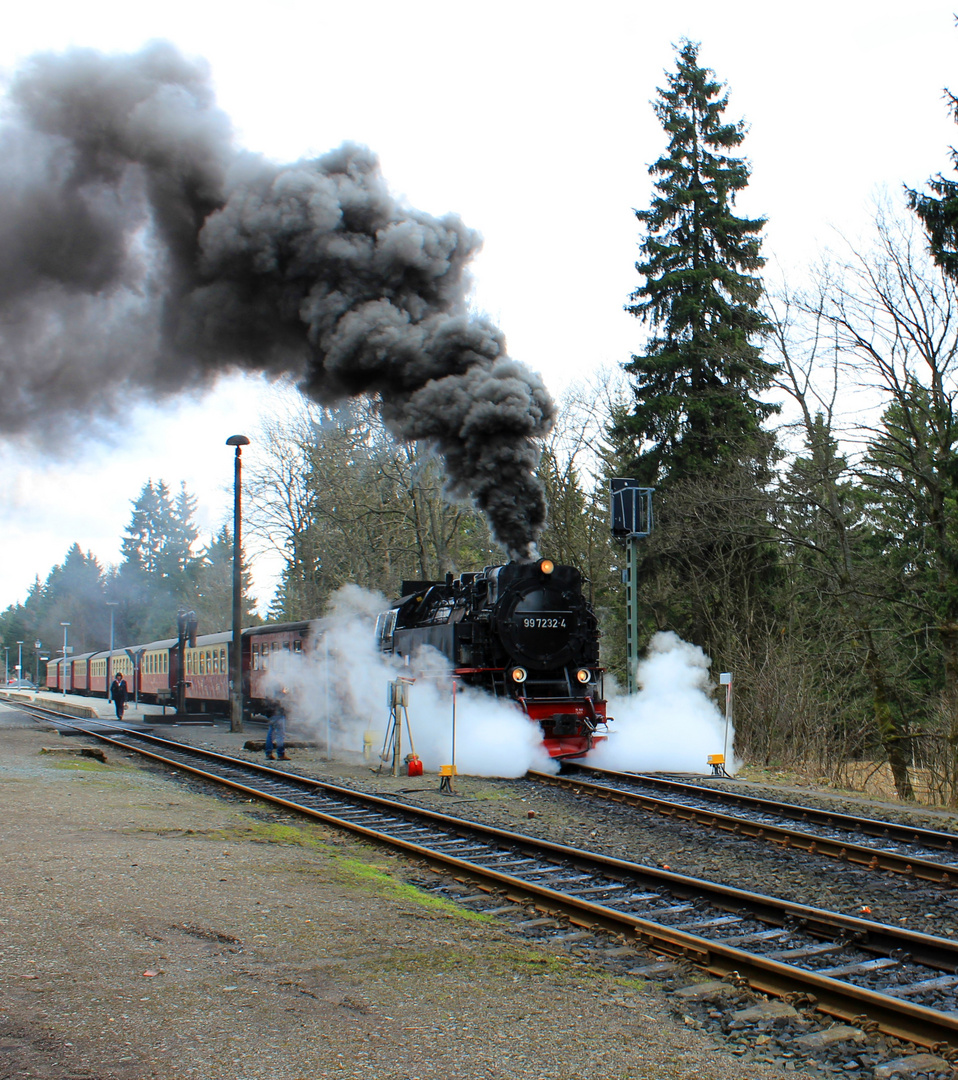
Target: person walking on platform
pixel 276 732
pixel 118 694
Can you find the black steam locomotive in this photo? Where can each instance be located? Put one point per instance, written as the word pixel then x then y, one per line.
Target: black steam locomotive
pixel 522 631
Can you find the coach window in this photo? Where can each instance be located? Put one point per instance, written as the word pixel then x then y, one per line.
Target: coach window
pixel 223 665
pixel 297 646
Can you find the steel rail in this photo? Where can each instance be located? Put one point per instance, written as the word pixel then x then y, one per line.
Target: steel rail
pixel 870 858
pixel 939 839
pixel 904 1019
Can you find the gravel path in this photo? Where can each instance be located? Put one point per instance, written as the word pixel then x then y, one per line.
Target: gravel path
pixel 152 930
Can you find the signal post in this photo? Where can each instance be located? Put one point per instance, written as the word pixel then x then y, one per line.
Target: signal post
pixel 630 508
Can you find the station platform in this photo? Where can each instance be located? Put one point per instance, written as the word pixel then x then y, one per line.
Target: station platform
pixel 96 708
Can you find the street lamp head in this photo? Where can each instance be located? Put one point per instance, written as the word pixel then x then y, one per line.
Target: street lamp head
pixel 237 440
pixel 64 624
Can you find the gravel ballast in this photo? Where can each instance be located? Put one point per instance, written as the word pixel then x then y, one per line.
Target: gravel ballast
pixel 153 930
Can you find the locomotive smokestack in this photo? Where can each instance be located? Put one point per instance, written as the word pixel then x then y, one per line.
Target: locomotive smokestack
pixel 140 250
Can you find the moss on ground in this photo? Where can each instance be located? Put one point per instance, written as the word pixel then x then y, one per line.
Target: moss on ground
pixel 272 832
pixel 81 764
pixel 374 878
pixel 533 961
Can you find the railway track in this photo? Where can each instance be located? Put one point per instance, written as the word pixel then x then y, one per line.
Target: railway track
pixel 905 981
pixel 924 854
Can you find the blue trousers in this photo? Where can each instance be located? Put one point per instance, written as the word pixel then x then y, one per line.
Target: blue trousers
pixel 276 735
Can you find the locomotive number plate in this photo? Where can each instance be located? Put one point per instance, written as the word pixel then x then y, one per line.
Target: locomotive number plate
pixel 543 622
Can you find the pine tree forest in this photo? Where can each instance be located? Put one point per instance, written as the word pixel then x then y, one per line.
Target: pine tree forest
pixel 802 444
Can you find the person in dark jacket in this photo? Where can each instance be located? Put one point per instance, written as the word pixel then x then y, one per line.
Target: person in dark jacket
pixel 276 732
pixel 118 694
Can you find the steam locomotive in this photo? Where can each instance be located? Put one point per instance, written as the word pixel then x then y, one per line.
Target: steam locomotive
pixel 522 631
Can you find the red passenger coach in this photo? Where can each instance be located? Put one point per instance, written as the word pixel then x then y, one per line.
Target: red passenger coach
pixel 156 665
pixel 262 648
pixel 152 670
pixel 80 665
pixel 53 674
pixel 207 669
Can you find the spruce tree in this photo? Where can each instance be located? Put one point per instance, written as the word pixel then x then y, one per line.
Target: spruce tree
pixel 938 211
pixel 696 382
pixel 157 575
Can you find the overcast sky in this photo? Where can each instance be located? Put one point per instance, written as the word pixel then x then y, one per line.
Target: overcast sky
pixel 531 120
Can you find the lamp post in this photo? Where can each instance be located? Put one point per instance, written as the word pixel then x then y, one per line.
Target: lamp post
pixel 6 665
pixel 19 661
pixel 236 651
pixel 37 645
pixel 111 604
pixel 63 666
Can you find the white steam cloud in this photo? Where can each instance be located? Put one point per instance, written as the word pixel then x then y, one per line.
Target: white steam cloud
pixel 672 723
pixel 338 692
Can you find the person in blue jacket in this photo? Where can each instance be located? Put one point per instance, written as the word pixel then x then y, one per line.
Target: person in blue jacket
pixel 276 732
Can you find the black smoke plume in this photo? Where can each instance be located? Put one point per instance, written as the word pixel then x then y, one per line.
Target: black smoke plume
pixel 141 251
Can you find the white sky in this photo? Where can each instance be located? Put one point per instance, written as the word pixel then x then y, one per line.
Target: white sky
pixel 531 120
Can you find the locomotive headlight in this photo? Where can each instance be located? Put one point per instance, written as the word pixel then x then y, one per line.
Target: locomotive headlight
pixel 519 674
pixel 547 566
pixel 583 675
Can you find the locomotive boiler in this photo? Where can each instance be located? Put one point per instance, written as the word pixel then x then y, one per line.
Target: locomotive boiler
pixel 522 631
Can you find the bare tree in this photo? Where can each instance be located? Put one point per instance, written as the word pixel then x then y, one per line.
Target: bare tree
pixel 819 522
pixel 884 320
